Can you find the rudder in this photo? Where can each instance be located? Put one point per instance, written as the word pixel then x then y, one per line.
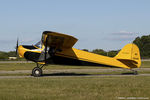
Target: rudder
pixel 130 55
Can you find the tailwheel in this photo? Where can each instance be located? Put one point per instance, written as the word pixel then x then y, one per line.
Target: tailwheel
pixel 135 72
pixel 37 72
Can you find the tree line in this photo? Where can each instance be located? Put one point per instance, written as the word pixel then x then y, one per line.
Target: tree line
pixel 111 53
pixel 142 42
pixel 6 55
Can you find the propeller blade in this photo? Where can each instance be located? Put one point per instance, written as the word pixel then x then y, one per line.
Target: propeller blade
pixel 17 47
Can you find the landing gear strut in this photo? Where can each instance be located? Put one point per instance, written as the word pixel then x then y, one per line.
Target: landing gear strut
pixel 37 71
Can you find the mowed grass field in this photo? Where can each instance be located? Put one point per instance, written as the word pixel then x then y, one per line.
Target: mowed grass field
pixel 73 87
pixel 30 66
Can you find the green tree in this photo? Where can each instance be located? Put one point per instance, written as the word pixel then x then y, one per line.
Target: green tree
pixel 3 55
pixel 113 53
pixel 100 52
pixel 85 50
pixel 144 45
pixel 6 55
pixel 11 53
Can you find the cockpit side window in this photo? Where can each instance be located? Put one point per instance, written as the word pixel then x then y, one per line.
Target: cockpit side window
pixel 43 36
pixel 39 44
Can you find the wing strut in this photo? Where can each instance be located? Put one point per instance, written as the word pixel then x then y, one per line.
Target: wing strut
pixel 46 48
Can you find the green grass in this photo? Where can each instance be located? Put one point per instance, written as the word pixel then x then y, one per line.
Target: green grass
pixel 74 88
pixel 30 66
pixel 16 66
pixel 145 64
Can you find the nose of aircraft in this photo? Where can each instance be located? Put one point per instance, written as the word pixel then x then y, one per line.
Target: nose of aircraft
pixel 21 51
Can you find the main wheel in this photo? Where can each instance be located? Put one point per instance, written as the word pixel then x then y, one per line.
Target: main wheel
pixel 37 72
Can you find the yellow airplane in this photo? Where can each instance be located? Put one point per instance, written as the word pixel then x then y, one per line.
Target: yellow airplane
pixel 56 48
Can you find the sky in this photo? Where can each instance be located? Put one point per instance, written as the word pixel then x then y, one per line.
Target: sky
pixel 103 24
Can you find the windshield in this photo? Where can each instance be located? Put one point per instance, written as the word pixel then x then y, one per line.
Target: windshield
pixel 39 44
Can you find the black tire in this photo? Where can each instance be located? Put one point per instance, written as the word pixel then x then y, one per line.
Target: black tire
pixel 135 73
pixel 37 72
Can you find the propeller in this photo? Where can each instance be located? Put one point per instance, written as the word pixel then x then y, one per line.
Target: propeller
pixel 17 44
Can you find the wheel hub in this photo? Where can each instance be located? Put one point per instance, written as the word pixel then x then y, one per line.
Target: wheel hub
pixel 37 72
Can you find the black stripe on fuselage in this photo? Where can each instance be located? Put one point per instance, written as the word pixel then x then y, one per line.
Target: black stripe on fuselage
pixel 61 60
pixel 32 56
pixel 70 61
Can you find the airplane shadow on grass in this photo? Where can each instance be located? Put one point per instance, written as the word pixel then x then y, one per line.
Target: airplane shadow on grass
pixel 83 74
pixel 65 74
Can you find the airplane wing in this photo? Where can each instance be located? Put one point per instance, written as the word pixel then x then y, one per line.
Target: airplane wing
pixel 58 40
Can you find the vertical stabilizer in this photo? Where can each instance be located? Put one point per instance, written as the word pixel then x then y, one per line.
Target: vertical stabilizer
pixel 130 55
